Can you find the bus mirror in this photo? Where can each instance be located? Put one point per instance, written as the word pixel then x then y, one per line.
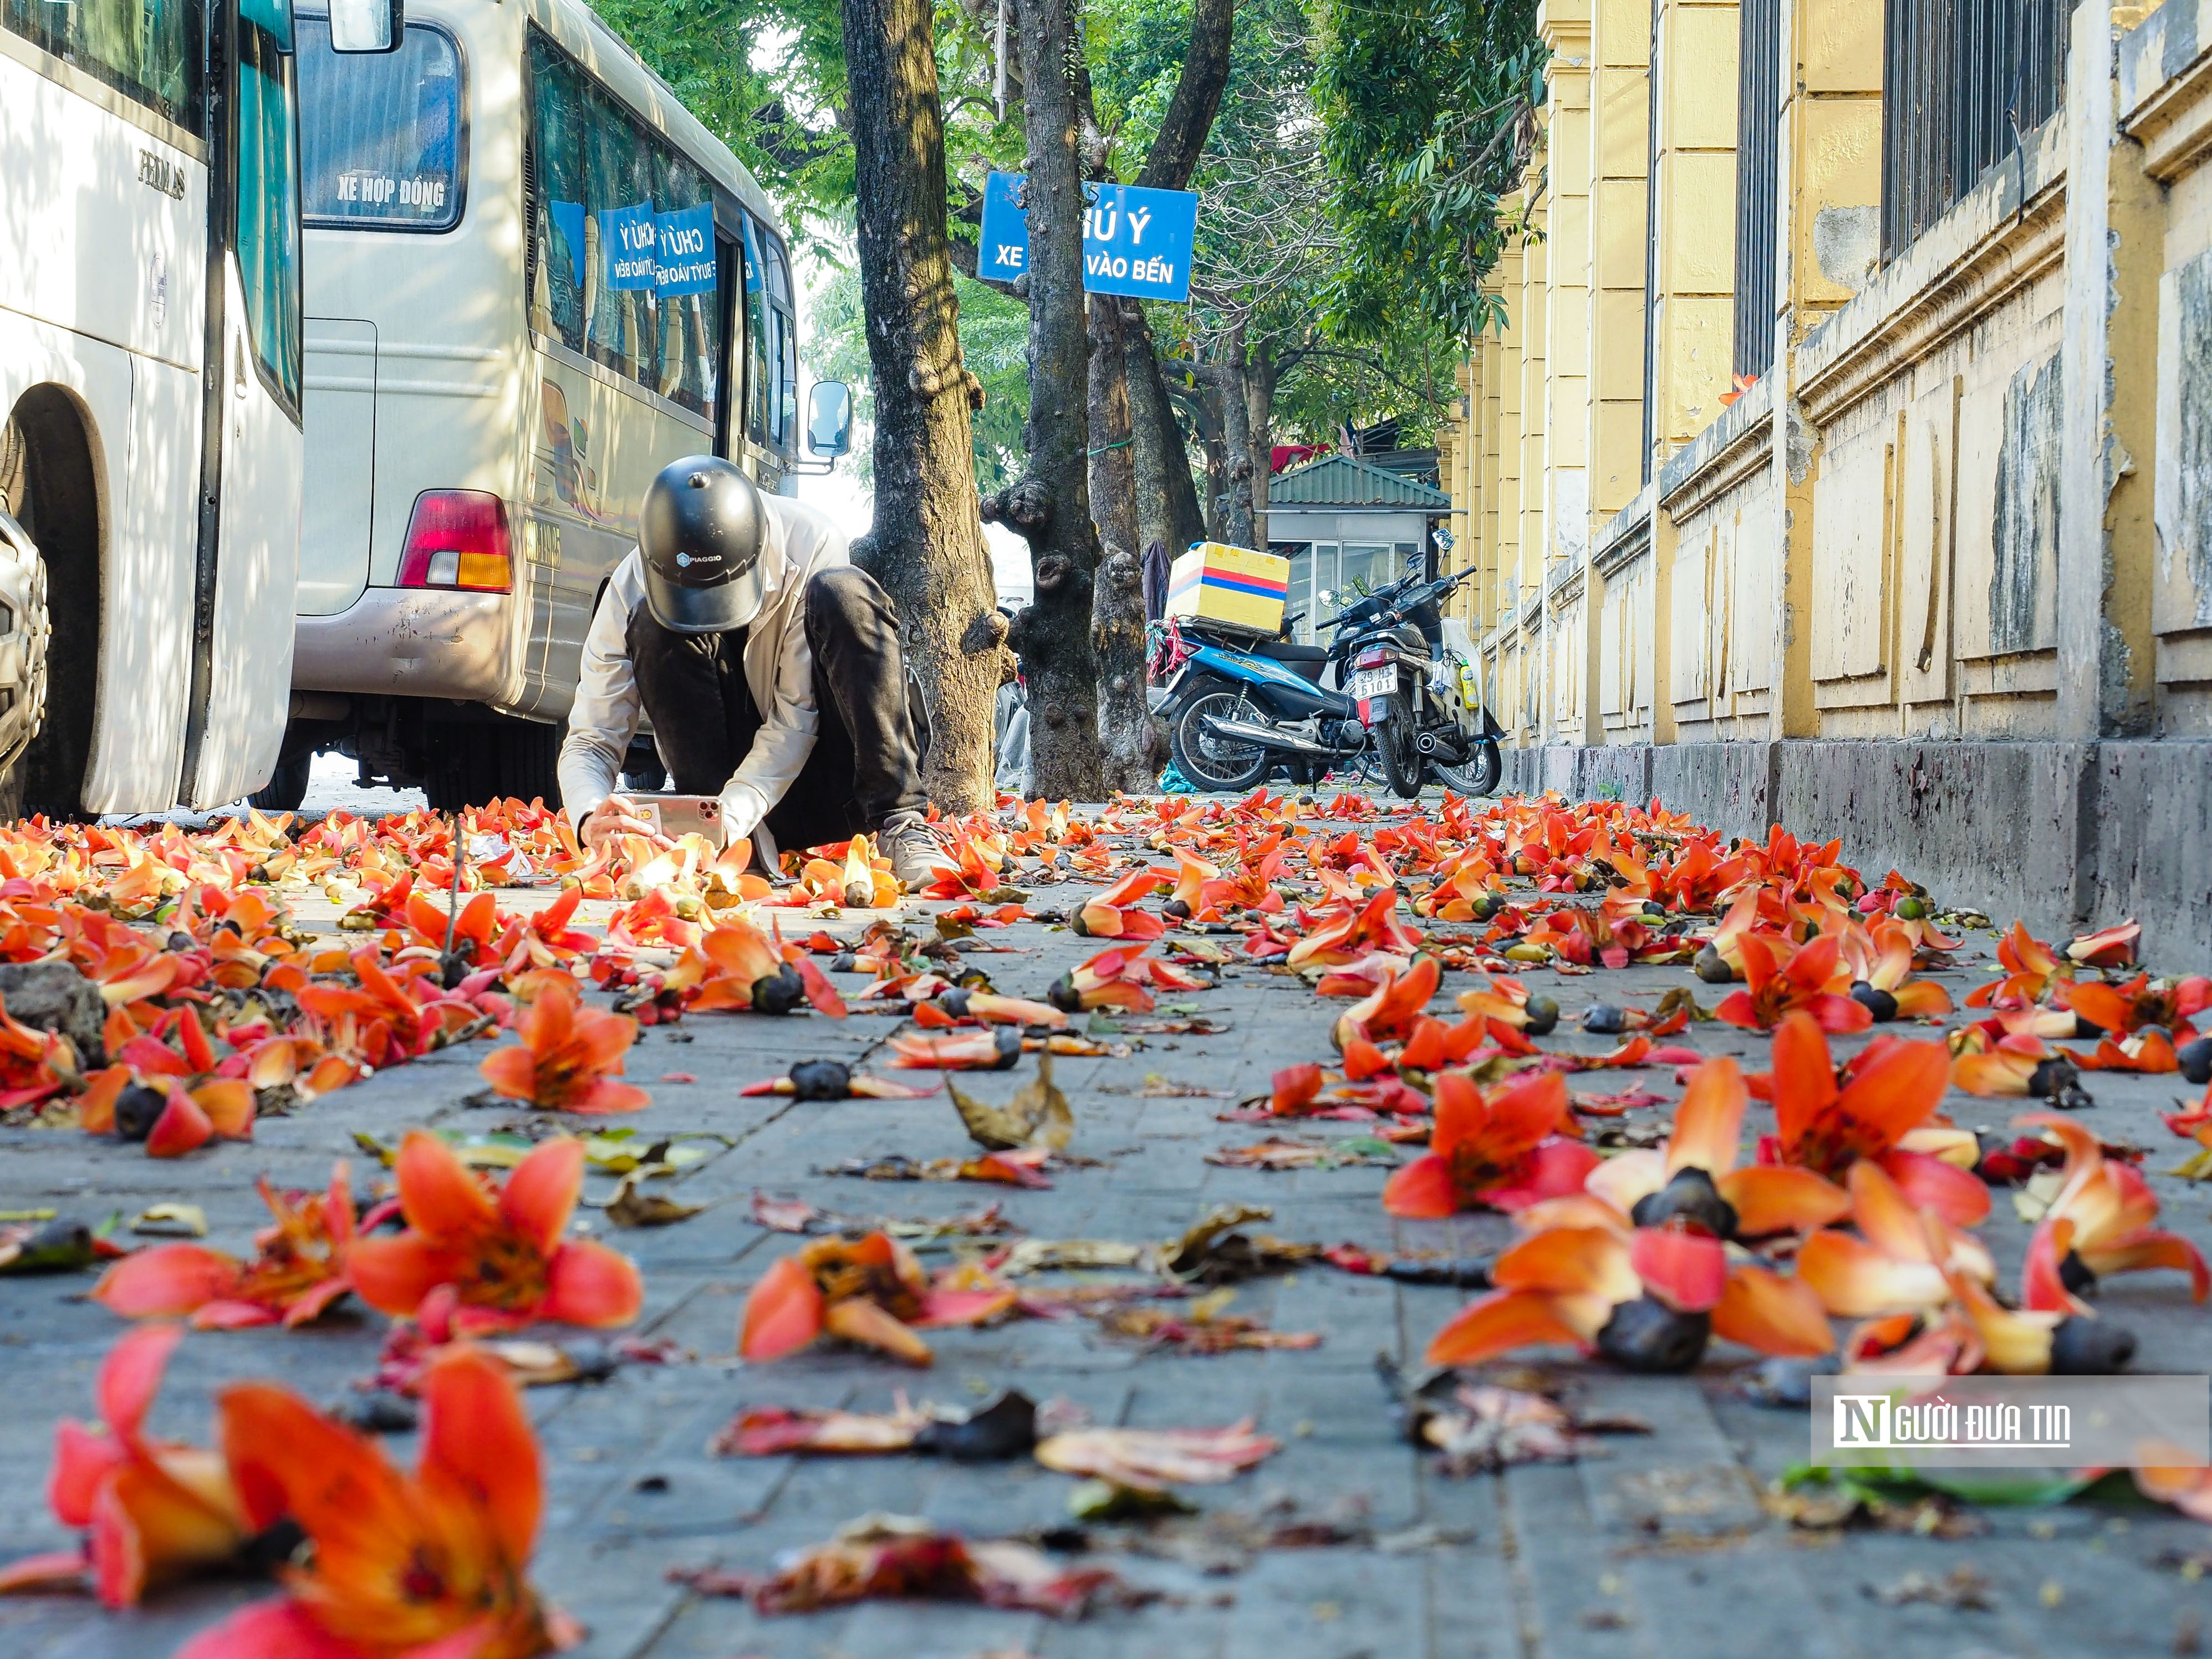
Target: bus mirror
pixel 829 418
pixel 366 26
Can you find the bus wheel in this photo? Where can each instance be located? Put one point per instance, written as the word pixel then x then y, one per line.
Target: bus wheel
pixel 288 785
pixel 473 762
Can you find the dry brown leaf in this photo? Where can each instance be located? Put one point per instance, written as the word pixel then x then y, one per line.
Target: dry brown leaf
pixel 632 1206
pixel 1037 1116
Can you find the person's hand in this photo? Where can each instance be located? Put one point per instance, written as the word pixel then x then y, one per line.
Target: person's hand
pixel 617 815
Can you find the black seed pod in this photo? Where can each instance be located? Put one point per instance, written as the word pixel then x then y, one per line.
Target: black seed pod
pixel 1177 908
pixel 1064 996
pixel 779 993
pixel 2090 1347
pixel 2074 1274
pixel 954 1001
pixel 821 1079
pixel 844 962
pixel 1691 1196
pixel 2195 1059
pixel 1876 1002
pixel 1713 968
pixel 1603 1019
pixel 1543 1016
pixel 1645 1335
pixel 135 1109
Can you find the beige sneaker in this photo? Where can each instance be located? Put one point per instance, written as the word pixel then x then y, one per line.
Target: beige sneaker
pixel 906 839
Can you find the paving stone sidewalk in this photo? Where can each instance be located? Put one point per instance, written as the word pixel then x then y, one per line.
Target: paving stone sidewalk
pixel 1661 1548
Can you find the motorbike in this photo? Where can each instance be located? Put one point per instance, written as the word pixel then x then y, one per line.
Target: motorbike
pixel 1238 707
pixel 1422 705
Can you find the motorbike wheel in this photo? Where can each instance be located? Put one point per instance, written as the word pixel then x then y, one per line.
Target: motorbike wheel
pixel 1209 760
pixel 1398 744
pixel 1479 775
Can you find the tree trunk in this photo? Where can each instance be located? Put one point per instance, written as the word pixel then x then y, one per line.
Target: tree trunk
pixel 1167 501
pixel 1166 507
pixel 1260 376
pixel 1049 506
pixel 926 544
pixel 1117 605
pixel 1236 526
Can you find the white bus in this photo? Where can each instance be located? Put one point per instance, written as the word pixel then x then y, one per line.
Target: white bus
pixel 150 387
pixel 532 280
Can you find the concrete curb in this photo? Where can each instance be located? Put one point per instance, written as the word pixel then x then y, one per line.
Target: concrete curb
pixel 2061 835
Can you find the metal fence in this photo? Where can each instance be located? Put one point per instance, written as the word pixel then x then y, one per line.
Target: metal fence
pixel 1759 106
pixel 1961 81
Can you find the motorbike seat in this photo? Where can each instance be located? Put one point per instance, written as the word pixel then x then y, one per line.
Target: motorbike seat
pixel 1306 660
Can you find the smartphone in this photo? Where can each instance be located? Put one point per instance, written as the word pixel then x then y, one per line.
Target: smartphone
pixel 676 815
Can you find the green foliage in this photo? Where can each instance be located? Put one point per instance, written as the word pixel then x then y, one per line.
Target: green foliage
pixel 1425 108
pixel 993 341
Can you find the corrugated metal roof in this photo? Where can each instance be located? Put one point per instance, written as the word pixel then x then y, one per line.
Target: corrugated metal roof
pixel 1343 481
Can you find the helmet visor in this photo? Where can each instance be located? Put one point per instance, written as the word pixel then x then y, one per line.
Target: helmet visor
pixel 716 610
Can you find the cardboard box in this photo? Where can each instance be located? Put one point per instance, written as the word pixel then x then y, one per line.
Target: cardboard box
pixel 1230 587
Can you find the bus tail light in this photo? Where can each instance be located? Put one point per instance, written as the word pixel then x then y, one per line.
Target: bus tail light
pixel 457 538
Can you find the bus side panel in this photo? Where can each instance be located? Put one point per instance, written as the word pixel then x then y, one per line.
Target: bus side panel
pixel 104 225
pixel 145 663
pixel 585 490
pixel 249 696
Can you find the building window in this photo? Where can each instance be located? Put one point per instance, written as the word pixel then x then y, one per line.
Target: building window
pixel 1961 82
pixel 1759 108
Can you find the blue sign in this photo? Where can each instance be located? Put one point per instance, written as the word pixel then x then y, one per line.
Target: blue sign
pixel 630 242
pixel 1135 241
pixel 687 250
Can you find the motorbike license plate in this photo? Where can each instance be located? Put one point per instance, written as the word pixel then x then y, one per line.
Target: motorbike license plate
pixel 1368 683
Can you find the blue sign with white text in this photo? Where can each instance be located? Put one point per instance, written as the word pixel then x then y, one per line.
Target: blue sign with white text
pixel 629 241
pixel 687 250
pixel 1135 241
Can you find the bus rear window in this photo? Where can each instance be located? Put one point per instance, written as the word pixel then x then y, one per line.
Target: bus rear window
pixel 381 135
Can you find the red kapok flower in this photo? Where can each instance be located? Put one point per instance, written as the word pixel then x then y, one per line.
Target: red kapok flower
pixel 506 1258
pixel 1893 1093
pixel 155 1510
pixel 430 1566
pixel 1505 1150
pixel 566 1052
pixel 301 1269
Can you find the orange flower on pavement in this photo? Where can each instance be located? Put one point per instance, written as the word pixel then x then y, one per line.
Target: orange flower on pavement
pixel 427 1566
pixel 154 1510
pixel 1900 1262
pixel 2110 947
pixel 1760 1199
pixel 2101 1221
pixel 1648 1298
pixel 300 1272
pixel 2032 969
pixel 505 1256
pixel 1882 1114
pixel 1114 914
pixel 1397 1005
pixel 870 1290
pixel 1505 1150
pixel 1879 960
pixel 1814 981
pixel 185 1121
pixel 566 1052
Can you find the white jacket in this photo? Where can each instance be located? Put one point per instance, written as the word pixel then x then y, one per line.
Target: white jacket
pixel 779 670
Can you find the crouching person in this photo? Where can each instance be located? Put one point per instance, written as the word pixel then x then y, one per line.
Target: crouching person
pixel 770 669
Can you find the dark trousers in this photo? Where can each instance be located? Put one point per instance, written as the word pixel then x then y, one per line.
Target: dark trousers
pixel 865 765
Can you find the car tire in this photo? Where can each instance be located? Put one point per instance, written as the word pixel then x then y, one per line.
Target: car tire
pixel 496 757
pixel 288 785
